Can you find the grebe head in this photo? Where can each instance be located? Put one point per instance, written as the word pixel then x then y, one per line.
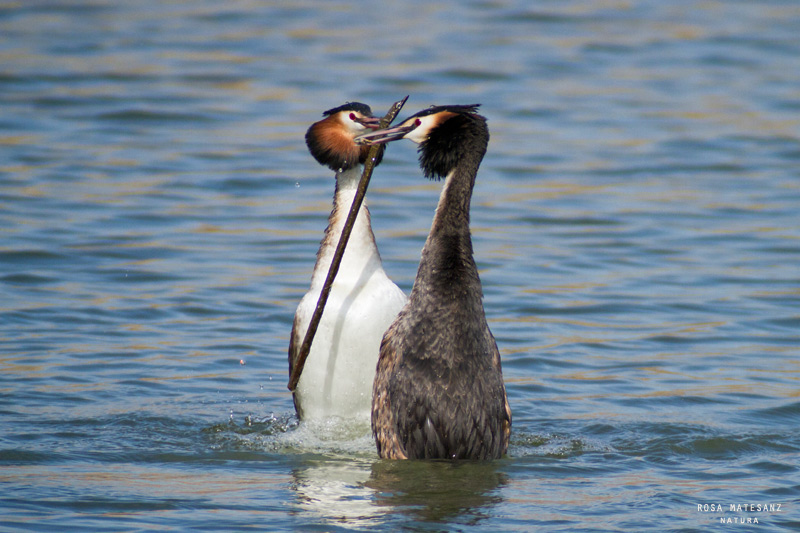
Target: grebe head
pixel 444 133
pixel 332 140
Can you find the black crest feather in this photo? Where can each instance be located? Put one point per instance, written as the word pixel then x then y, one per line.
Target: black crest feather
pixel 364 109
pixel 454 139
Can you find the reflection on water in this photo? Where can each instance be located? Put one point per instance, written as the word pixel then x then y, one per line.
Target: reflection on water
pixel 337 478
pixel 364 493
pixel 434 491
pixel 336 492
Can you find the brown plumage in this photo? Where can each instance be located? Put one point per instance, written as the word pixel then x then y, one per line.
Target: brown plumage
pixel 438 390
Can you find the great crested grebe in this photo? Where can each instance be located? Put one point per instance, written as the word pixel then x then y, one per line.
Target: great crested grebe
pixel 439 391
pixel 363 301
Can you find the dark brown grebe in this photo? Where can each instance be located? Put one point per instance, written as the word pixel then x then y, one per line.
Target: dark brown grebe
pixel 439 389
pixel 363 302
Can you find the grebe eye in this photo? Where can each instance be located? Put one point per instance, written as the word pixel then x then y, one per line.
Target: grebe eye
pixel 353 117
pixel 417 122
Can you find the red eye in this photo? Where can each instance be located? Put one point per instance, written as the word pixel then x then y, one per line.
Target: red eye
pixel 353 117
pixel 417 122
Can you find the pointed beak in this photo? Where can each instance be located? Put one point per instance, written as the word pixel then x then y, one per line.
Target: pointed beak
pixel 385 136
pixel 372 123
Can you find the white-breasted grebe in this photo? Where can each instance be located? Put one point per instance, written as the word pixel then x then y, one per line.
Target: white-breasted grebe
pixel 337 378
pixel 439 391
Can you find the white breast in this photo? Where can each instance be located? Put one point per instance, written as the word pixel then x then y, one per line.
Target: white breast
pixel 363 302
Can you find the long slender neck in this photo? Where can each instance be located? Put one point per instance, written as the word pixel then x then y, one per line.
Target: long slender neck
pixel 447 266
pixel 361 251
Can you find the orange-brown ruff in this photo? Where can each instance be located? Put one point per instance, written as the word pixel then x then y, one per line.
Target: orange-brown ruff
pixel 439 391
pixel 332 145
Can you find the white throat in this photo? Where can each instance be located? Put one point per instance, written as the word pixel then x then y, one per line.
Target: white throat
pixel 361 255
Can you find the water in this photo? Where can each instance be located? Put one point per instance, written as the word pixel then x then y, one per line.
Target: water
pixel 635 222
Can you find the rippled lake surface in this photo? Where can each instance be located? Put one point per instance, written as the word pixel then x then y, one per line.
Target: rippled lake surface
pixel 636 222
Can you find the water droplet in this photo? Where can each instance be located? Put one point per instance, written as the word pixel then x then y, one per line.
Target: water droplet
pixel 297 184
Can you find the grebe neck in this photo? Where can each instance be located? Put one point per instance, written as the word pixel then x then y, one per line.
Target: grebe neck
pixel 361 252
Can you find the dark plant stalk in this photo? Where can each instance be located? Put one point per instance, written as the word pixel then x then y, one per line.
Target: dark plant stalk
pixel 369 166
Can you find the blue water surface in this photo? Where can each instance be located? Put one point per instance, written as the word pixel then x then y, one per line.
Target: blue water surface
pixel 636 223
